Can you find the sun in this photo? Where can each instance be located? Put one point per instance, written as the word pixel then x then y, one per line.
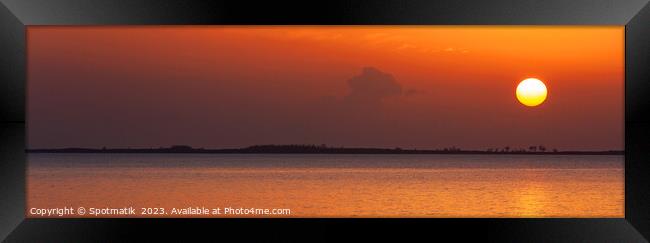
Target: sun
pixel 531 92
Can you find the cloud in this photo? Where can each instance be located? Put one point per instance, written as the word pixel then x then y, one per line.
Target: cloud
pixel 456 50
pixel 371 87
pixel 406 46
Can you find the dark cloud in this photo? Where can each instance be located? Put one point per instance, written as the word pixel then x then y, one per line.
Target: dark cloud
pixel 371 87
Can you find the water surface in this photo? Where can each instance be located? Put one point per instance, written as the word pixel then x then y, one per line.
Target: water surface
pixel 336 185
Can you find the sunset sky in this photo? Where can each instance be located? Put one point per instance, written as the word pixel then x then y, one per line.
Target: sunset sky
pixel 422 87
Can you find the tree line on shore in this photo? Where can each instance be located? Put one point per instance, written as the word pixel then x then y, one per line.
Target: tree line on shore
pixel 323 149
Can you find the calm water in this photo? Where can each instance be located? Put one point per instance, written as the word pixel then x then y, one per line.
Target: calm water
pixel 336 185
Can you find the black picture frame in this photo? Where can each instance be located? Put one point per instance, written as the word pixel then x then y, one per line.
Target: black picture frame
pixel 15 15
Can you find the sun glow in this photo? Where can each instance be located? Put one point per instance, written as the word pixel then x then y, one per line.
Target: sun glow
pixel 531 92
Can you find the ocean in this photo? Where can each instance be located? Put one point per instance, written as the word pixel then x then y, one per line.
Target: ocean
pixel 328 185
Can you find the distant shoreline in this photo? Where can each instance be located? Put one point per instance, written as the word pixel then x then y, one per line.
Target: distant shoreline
pixel 310 149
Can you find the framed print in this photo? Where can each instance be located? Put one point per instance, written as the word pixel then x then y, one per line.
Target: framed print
pixel 521 122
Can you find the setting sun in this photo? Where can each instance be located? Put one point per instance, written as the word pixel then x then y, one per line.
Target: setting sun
pixel 531 92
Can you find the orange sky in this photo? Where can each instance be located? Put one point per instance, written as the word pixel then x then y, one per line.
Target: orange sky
pixel 428 86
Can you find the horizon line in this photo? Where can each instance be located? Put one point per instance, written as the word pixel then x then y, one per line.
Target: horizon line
pixel 313 148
